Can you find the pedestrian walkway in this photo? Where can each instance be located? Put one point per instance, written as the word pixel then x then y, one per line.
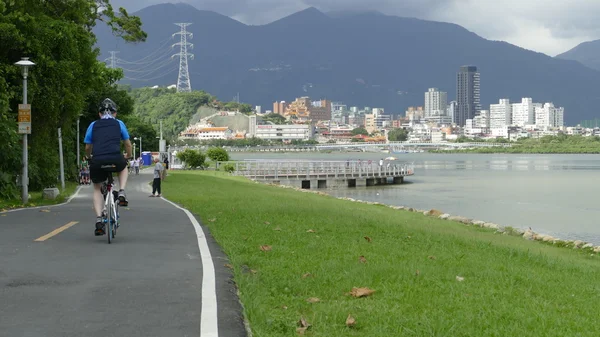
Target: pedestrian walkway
pixel 160 277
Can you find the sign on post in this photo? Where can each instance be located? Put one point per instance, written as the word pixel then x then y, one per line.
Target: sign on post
pixel 24 118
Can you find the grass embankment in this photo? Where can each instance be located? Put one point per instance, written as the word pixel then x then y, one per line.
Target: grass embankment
pixel 561 144
pixel 37 200
pixel 431 277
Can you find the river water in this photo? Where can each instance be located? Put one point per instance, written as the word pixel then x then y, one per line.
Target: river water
pixel 553 194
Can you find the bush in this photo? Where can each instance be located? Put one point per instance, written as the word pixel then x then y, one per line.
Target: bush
pixel 217 154
pixel 192 158
pixel 229 168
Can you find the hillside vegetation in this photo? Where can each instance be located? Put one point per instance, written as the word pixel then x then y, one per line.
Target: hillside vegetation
pixel 177 110
pixel 547 144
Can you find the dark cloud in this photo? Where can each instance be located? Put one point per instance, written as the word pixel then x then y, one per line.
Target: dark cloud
pixel 546 26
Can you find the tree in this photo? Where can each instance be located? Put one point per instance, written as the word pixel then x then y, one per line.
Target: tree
pixel 192 159
pixel 65 82
pixel 398 135
pixel 360 131
pixel 274 118
pixel 217 154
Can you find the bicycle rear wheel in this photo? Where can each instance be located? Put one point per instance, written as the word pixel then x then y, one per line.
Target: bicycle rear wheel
pixel 109 218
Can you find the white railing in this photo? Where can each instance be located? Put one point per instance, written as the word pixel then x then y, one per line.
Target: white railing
pixel 276 170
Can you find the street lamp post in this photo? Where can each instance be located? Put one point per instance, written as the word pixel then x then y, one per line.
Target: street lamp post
pixel 25 64
pixel 140 139
pixel 78 159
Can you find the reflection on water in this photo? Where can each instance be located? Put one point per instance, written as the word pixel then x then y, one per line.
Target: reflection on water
pixel 554 194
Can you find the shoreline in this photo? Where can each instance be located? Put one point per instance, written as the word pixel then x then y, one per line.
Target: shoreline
pixel 528 234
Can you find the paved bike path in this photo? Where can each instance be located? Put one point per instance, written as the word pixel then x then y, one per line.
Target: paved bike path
pixel 148 282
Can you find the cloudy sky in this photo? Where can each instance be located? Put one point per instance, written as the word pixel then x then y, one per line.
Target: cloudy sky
pixel 547 26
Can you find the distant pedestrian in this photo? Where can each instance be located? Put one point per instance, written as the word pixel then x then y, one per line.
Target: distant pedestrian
pixel 166 161
pixel 136 165
pixel 158 176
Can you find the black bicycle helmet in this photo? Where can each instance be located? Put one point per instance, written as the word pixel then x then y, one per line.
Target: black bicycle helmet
pixel 107 106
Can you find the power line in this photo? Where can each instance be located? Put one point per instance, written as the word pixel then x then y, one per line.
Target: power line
pixel 183 80
pixel 169 71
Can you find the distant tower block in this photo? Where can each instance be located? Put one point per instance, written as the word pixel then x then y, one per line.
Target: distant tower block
pixel 183 80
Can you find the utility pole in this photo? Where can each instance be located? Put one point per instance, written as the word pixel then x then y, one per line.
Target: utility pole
pixel 183 80
pixel 60 156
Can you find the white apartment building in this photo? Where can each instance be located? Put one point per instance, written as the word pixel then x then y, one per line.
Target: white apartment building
pixel 523 113
pixel 549 116
pixel 284 133
pixel 378 112
pixel 501 114
pixel 482 120
pixel 436 102
pixel 471 130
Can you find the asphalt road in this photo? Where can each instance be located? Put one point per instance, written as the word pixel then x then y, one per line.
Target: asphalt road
pixel 151 281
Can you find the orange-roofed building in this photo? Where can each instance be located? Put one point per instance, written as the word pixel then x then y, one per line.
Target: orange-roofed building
pixel 206 133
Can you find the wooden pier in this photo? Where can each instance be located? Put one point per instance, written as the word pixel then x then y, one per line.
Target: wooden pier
pixel 323 174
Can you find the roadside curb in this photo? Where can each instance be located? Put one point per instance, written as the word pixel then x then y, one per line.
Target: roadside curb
pixel 46 206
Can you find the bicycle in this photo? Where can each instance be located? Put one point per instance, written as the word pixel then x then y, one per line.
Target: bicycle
pixel 110 213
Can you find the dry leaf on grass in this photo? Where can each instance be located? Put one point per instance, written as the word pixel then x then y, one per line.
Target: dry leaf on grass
pixel 350 321
pixel 313 300
pixel 361 292
pixel 417 273
pixel 460 278
pixel 306 275
pixel 267 223
pixel 265 248
pixel 362 259
pixel 431 257
pixel 284 307
pixel 277 229
pixel 212 220
pixel 253 271
pixel 311 231
pixel 303 326
pixel 228 266
pixel 368 239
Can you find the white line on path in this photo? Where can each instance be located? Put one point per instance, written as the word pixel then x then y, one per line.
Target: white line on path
pixel 208 316
pixel 36 207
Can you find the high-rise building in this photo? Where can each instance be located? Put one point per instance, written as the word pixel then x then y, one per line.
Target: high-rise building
pixel 467 94
pixel 501 114
pixel 435 102
pixel 279 107
pixel 452 111
pixel 549 116
pixel 523 113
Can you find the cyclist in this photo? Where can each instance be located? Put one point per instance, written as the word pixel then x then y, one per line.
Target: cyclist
pixel 103 146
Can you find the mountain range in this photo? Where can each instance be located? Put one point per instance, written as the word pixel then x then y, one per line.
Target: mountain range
pixel 361 59
pixel 587 53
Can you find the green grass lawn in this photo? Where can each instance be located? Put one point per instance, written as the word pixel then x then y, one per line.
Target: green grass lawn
pixel 510 286
pixel 37 200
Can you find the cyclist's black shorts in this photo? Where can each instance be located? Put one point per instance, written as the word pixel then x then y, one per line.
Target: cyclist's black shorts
pixel 98 172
